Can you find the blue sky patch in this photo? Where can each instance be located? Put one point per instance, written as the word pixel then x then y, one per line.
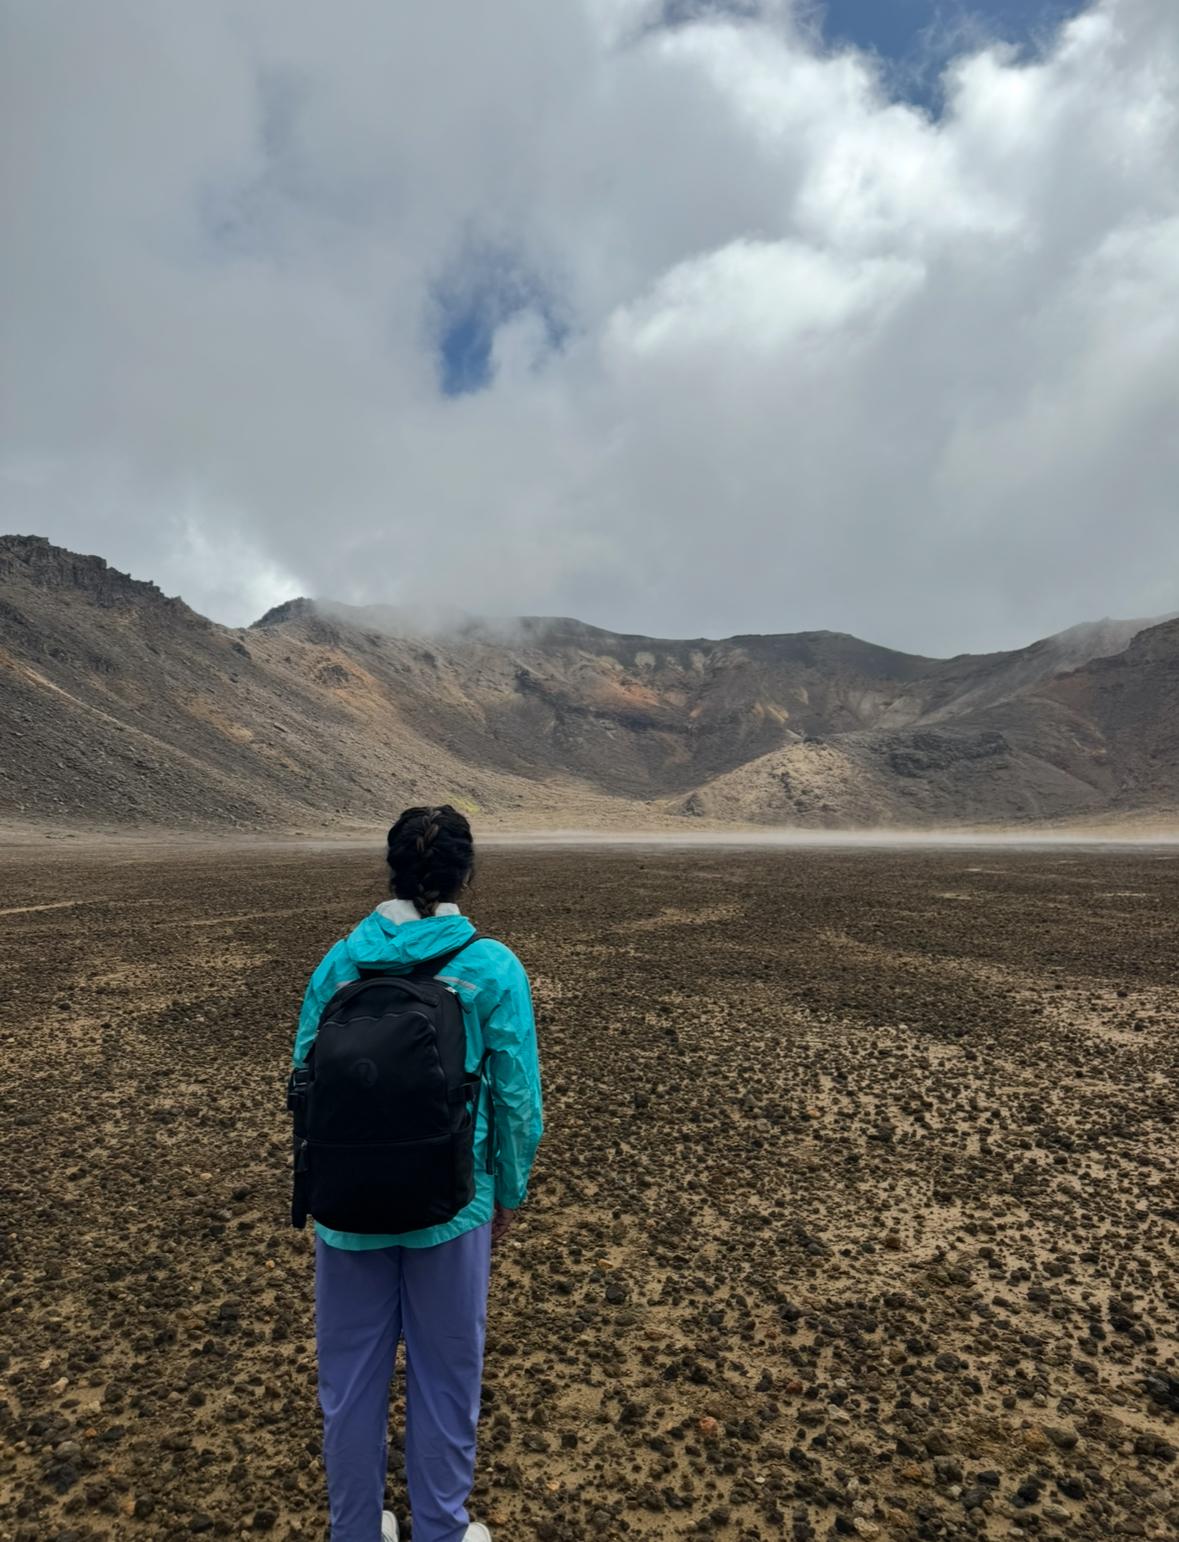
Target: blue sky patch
pixel 487 289
pixel 915 39
pixel 918 37
pixel 464 347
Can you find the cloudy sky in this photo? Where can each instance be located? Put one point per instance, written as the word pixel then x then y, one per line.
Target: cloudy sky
pixel 686 318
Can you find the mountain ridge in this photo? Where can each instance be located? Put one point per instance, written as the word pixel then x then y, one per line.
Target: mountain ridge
pixel 317 716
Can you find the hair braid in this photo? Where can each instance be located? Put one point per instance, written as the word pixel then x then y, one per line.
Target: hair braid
pixel 426 895
pixel 430 855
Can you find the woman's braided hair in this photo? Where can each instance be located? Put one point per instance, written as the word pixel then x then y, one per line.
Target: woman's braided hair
pixel 431 855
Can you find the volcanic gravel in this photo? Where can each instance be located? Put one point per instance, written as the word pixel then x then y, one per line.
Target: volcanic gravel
pixel 856 1214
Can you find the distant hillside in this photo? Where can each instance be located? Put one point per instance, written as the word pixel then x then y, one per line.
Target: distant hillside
pixel 124 707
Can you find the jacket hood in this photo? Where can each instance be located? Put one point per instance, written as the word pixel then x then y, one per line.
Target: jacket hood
pixel 378 941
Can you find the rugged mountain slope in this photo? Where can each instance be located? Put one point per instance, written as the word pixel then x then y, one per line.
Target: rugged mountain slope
pixel 1097 740
pixel 638 716
pixel 121 705
pixel 1131 702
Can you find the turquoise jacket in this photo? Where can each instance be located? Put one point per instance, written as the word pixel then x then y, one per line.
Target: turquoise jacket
pixel 497 1005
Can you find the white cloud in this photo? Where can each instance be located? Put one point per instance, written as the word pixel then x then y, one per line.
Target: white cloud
pixel 777 353
pixel 753 298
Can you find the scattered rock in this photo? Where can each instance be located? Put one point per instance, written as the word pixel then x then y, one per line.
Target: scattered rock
pixel 666 1264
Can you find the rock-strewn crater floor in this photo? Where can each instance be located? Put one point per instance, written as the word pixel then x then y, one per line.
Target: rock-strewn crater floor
pixel 856 1216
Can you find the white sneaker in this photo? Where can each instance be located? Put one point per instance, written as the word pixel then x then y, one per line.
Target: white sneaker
pixel 475 1532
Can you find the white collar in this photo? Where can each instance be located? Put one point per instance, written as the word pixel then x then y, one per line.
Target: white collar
pixel 400 910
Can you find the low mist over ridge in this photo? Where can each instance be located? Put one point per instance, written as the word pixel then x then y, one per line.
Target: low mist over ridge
pixel 129 709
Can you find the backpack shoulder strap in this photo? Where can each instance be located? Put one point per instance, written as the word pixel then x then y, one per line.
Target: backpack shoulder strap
pixel 430 967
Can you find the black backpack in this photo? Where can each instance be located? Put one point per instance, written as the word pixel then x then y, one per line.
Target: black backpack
pixel 384 1110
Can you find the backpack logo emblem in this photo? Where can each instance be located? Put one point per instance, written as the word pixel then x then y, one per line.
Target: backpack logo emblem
pixel 365 1072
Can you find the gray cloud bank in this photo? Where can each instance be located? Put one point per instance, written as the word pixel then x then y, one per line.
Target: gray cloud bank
pixel 756 348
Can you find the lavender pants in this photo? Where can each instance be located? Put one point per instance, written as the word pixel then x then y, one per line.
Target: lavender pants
pixel 436 1298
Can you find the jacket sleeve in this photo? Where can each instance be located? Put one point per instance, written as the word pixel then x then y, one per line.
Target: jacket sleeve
pixel 509 1035
pixel 335 969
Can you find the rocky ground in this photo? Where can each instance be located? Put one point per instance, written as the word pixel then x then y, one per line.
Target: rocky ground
pixel 856 1216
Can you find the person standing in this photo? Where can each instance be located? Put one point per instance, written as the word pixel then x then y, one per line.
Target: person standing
pixel 427 1286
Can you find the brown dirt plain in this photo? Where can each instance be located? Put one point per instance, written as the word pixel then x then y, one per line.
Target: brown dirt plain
pixel 856 1215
